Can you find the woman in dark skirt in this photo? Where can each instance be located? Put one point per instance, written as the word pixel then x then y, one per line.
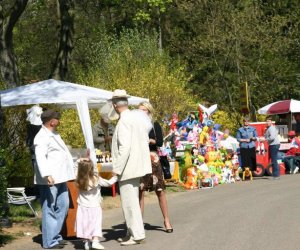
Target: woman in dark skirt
pixel 155 181
pixel 247 136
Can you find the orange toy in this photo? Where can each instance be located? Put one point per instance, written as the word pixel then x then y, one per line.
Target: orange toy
pixel 191 175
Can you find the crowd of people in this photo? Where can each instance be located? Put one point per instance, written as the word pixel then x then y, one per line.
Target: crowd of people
pixel 133 144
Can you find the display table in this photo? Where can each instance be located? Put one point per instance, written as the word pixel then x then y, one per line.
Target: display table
pixel 105 170
pixel 68 229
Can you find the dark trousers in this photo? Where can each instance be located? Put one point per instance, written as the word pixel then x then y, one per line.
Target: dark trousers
pixel 248 158
pixel 273 151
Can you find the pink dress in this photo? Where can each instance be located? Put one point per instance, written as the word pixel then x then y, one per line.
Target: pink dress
pixel 89 212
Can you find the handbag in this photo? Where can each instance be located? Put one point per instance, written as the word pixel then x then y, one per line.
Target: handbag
pixel 165 165
pixel 164 162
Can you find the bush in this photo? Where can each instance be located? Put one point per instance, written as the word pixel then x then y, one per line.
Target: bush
pixel 134 62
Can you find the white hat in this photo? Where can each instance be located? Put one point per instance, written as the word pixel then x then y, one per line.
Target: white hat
pixel 119 93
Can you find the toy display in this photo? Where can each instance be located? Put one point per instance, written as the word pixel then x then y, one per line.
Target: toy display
pixel 208 156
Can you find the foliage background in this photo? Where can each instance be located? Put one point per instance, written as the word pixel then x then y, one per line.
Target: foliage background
pixel 176 53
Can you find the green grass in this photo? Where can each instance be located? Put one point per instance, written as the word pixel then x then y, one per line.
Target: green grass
pixel 20 213
pixel 4 239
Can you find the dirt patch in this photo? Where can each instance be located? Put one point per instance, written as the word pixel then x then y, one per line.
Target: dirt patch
pixel 26 228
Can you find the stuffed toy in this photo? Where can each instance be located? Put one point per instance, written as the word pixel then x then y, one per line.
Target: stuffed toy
pixel 183 133
pixel 174 121
pixel 205 179
pixel 186 162
pixel 191 178
pixel 247 174
pixel 207 112
pixel 204 136
pixel 226 175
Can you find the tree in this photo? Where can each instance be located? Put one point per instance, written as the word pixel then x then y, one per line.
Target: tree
pixel 228 42
pixel 8 62
pixel 66 24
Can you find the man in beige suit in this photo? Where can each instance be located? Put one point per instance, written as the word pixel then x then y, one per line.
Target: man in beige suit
pixel 131 160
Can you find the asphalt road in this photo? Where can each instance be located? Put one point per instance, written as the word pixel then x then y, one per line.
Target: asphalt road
pixel 260 214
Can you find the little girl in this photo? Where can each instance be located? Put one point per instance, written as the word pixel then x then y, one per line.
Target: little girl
pixel 89 213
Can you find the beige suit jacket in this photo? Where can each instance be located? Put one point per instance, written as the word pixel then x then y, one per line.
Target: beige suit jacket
pixel 130 145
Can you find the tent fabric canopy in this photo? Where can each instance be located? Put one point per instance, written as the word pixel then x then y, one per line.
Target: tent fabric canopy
pixel 67 94
pixel 281 107
pixel 58 92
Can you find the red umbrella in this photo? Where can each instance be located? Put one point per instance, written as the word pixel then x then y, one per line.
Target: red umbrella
pixel 281 107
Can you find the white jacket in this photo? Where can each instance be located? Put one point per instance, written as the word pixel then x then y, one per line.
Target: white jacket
pixel 92 197
pixel 130 145
pixel 53 158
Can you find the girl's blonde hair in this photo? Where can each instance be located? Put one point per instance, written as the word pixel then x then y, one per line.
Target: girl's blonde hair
pixel 85 174
pixel 149 107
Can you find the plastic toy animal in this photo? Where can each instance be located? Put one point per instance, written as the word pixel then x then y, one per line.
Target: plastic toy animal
pixel 247 174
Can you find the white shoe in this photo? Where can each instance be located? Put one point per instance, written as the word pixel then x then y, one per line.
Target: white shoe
pixel 126 238
pixel 97 245
pixel 296 170
pixel 87 245
pixel 131 241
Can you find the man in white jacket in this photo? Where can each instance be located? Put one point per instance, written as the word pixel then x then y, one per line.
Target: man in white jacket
pixel 53 169
pixel 131 160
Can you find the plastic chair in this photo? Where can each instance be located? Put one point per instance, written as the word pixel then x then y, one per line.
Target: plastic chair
pixel 17 196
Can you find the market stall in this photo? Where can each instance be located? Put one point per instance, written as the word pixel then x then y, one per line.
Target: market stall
pixel 68 95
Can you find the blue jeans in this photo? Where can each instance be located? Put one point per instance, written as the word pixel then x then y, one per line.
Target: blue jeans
pixel 55 205
pixel 273 149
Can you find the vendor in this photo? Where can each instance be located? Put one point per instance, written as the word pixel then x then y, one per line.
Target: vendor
pixel 246 136
pixel 103 131
pixel 289 158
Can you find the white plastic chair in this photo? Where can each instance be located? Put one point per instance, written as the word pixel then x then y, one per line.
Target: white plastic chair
pixel 17 196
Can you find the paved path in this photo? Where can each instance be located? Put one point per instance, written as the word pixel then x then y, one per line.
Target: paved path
pixel 262 214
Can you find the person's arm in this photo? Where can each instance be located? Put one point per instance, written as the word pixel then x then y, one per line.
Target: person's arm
pixel 255 136
pixel 124 146
pixel 239 137
pixel 41 145
pixel 159 134
pixel 272 134
pixel 107 183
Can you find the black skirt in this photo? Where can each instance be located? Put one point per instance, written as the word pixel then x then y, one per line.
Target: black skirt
pixel 248 157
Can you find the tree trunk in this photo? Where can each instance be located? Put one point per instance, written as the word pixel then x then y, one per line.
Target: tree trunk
pixel 66 23
pixel 8 62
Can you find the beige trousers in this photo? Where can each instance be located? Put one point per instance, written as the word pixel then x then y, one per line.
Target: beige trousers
pixel 129 192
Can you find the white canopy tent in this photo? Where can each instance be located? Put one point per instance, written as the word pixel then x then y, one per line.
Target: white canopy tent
pixel 63 93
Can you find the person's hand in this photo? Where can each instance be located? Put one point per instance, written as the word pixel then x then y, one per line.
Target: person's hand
pixel 253 139
pixel 246 140
pixel 152 141
pixel 50 180
pixel 262 139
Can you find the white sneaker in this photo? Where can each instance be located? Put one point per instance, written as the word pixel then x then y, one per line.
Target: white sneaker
pixel 131 241
pixel 296 170
pixel 87 245
pixel 97 245
pixel 126 238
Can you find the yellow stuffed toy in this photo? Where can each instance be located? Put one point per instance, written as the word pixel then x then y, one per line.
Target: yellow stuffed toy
pixel 204 136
